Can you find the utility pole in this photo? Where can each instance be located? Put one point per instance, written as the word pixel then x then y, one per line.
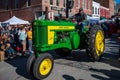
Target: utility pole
pixel 46 13
pixel 69 5
pixel 67 9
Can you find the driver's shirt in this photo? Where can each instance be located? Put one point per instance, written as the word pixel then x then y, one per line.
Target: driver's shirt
pixel 80 17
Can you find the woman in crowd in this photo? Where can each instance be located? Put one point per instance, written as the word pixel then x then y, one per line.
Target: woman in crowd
pixel 22 38
pixel 29 37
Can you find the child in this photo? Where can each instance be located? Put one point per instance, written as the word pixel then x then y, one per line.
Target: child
pixel 9 51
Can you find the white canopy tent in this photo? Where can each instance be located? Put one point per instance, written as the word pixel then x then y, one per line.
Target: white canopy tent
pixel 14 20
pixel 92 18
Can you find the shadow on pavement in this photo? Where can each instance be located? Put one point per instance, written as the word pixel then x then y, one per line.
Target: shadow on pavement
pixel 79 55
pixel 108 74
pixel 75 55
pixel 20 64
pixel 67 77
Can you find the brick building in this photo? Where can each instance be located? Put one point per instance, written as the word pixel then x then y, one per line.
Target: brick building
pixel 34 9
pixel 104 12
pixel 24 9
pixel 108 4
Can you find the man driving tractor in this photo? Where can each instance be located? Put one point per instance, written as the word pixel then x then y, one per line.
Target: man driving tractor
pixel 80 17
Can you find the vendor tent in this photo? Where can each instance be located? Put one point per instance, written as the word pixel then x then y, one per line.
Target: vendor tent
pixel 92 18
pixel 14 20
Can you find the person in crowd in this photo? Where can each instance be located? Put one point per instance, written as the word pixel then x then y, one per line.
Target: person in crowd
pixel 22 38
pixel 9 51
pixel 2 50
pixel 106 28
pixel 29 37
pixel 118 28
pixel 15 33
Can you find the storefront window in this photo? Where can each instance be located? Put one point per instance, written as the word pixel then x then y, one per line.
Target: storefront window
pixel 16 3
pixel 51 2
pixel 57 2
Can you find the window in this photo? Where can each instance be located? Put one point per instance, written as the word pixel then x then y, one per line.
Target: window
pixel 39 15
pixel 78 3
pixel 57 2
pixel 16 3
pixel 28 2
pixel 51 2
pixel 98 11
pixel 64 3
pixel 6 4
pixel 93 10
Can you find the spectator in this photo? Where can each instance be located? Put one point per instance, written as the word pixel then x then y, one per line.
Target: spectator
pixel 29 35
pixel 9 51
pixel 118 25
pixel 2 51
pixel 22 38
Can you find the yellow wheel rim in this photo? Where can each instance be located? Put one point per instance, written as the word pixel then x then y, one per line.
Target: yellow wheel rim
pixel 45 66
pixel 99 43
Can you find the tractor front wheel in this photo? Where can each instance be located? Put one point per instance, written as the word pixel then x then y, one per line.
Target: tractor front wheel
pixel 43 66
pixel 30 63
pixel 95 43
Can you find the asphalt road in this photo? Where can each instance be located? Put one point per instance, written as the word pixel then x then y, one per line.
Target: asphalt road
pixel 74 67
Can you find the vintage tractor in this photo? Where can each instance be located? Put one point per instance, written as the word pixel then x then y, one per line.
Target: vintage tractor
pixel 62 37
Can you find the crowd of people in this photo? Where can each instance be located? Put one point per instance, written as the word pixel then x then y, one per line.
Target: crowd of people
pixel 15 39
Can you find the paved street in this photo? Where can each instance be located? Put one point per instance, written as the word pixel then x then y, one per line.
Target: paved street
pixel 75 67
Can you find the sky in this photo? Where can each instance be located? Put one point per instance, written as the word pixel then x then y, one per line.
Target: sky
pixel 118 1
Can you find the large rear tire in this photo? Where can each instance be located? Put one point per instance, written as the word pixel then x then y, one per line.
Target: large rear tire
pixel 43 66
pixel 95 43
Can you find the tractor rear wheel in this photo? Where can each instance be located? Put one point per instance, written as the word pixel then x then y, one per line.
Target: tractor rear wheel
pixel 43 66
pixel 95 43
pixel 63 52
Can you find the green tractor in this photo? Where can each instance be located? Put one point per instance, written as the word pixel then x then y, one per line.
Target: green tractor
pixel 62 37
